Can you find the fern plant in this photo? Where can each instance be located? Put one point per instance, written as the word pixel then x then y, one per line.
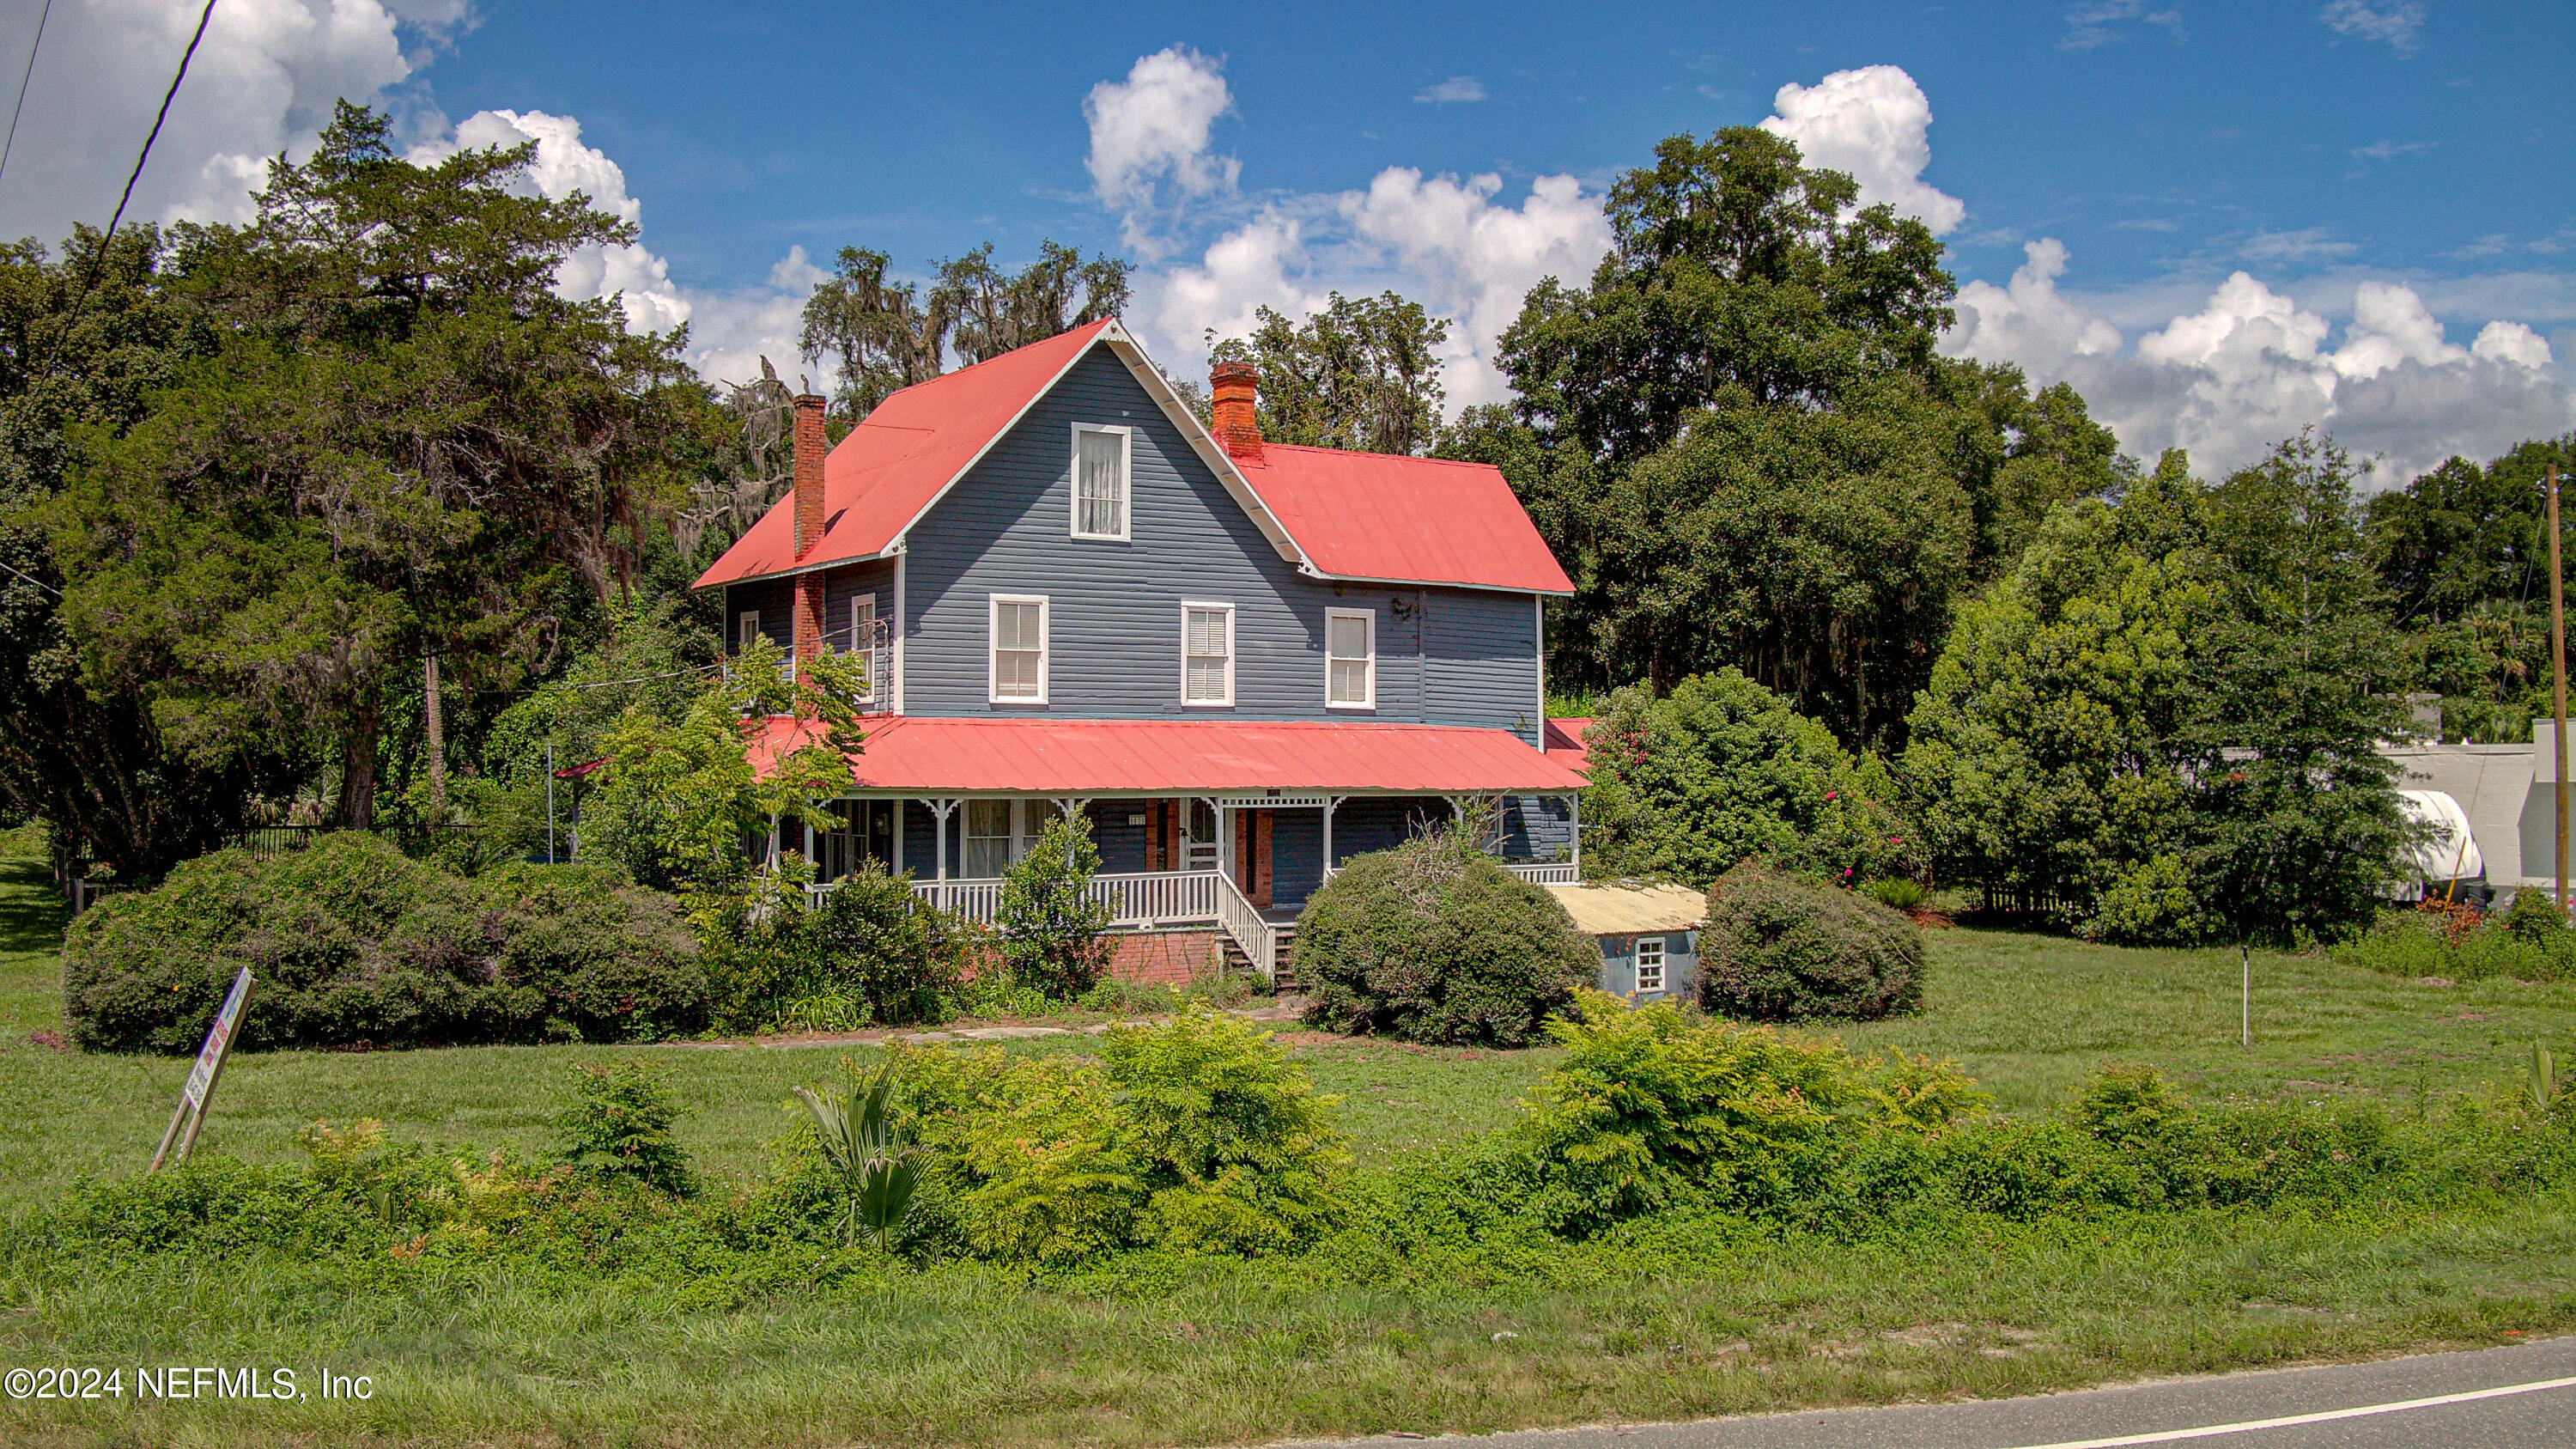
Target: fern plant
pixel 876 1168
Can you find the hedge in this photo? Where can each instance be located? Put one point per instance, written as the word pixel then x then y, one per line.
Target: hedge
pixel 356 945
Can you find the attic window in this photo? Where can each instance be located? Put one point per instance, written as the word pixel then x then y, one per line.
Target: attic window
pixel 1101 458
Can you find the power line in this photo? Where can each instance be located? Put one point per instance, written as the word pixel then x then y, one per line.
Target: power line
pixel 28 75
pixel 167 97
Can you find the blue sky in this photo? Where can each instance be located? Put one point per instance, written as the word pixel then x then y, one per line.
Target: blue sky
pixel 926 129
pixel 2392 177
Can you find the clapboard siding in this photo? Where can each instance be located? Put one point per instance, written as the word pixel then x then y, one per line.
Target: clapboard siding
pixel 1114 609
pixel 1480 662
pixel 1537 827
pixel 776 601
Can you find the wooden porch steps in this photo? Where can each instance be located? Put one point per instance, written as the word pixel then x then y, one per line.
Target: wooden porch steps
pixel 1286 977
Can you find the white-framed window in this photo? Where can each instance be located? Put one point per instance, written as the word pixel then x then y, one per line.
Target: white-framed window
pixel 999 832
pixel 746 627
pixel 863 643
pixel 989 838
pixel 1101 470
pixel 1019 653
pixel 1350 659
pixel 1650 965
pixel 1207 654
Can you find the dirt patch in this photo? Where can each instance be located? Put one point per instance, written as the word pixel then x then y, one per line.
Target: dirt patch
pixel 52 1041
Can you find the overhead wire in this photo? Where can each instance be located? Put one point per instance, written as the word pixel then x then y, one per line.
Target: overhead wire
pixel 167 97
pixel 25 76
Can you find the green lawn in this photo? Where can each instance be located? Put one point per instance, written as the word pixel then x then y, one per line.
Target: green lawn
pixel 2028 1016
pixel 1244 1353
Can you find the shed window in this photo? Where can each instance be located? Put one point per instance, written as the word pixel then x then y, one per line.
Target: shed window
pixel 1350 659
pixel 1650 965
pixel 1207 654
pixel 1019 650
pixel 746 627
pixel 1100 481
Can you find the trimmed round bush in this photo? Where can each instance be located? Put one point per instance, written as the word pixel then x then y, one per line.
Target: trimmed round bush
pixel 1434 942
pixel 1781 948
pixel 355 944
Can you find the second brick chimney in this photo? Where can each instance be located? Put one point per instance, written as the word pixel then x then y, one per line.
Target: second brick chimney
pixel 810 442
pixel 1238 428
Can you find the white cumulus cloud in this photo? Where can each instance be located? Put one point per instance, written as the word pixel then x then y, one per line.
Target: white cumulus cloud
pixel 2250 366
pixel 262 83
pixel 1874 123
pixel 1154 128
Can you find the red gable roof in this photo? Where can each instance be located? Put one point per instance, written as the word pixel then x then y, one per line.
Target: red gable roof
pixel 902 456
pixel 1383 516
pixel 1143 757
pixel 1377 517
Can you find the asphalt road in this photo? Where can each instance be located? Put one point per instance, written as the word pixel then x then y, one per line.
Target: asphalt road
pixel 2356 1404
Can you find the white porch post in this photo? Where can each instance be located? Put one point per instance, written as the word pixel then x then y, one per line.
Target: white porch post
pixel 1331 804
pixel 897 807
pixel 940 810
pixel 1574 804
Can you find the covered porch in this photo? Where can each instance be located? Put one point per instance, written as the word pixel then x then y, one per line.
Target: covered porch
pixel 1243 864
pixel 1200 823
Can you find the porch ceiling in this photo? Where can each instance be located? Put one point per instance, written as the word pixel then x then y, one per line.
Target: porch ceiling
pixel 1047 757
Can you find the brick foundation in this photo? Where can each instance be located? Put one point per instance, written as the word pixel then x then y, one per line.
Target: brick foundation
pixel 1164 958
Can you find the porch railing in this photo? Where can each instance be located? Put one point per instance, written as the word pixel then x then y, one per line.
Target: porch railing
pixel 1536 872
pixel 1256 937
pixel 1139 900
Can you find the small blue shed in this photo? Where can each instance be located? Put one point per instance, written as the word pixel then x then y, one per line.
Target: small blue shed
pixel 1648 934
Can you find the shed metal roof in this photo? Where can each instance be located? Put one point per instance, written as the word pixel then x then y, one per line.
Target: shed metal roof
pixel 1627 910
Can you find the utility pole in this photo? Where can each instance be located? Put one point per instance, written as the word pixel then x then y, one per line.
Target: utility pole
pixel 437 745
pixel 2558 658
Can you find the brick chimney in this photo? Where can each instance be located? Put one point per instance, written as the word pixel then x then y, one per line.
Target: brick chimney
pixel 809 523
pixel 1234 384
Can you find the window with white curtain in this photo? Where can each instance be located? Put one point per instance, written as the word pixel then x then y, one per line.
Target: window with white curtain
pixel 999 832
pixel 1207 654
pixel 1350 659
pixel 989 838
pixel 1019 670
pixel 1100 481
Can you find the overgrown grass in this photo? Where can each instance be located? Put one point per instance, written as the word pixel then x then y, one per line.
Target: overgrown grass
pixel 1663 1319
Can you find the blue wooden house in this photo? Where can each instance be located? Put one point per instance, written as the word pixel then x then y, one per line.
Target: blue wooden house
pixel 1243 662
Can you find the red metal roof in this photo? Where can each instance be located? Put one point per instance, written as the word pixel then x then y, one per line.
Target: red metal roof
pixel 1375 516
pixel 1178 757
pixel 1406 520
pixel 1565 742
pixel 890 467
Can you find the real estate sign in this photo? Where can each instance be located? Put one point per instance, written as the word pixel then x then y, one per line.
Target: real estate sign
pixel 201 1077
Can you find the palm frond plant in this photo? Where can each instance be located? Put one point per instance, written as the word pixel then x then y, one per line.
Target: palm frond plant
pixel 2540 1081
pixel 876 1168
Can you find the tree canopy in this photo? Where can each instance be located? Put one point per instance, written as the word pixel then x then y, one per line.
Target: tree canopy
pixel 882 336
pixel 1740 440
